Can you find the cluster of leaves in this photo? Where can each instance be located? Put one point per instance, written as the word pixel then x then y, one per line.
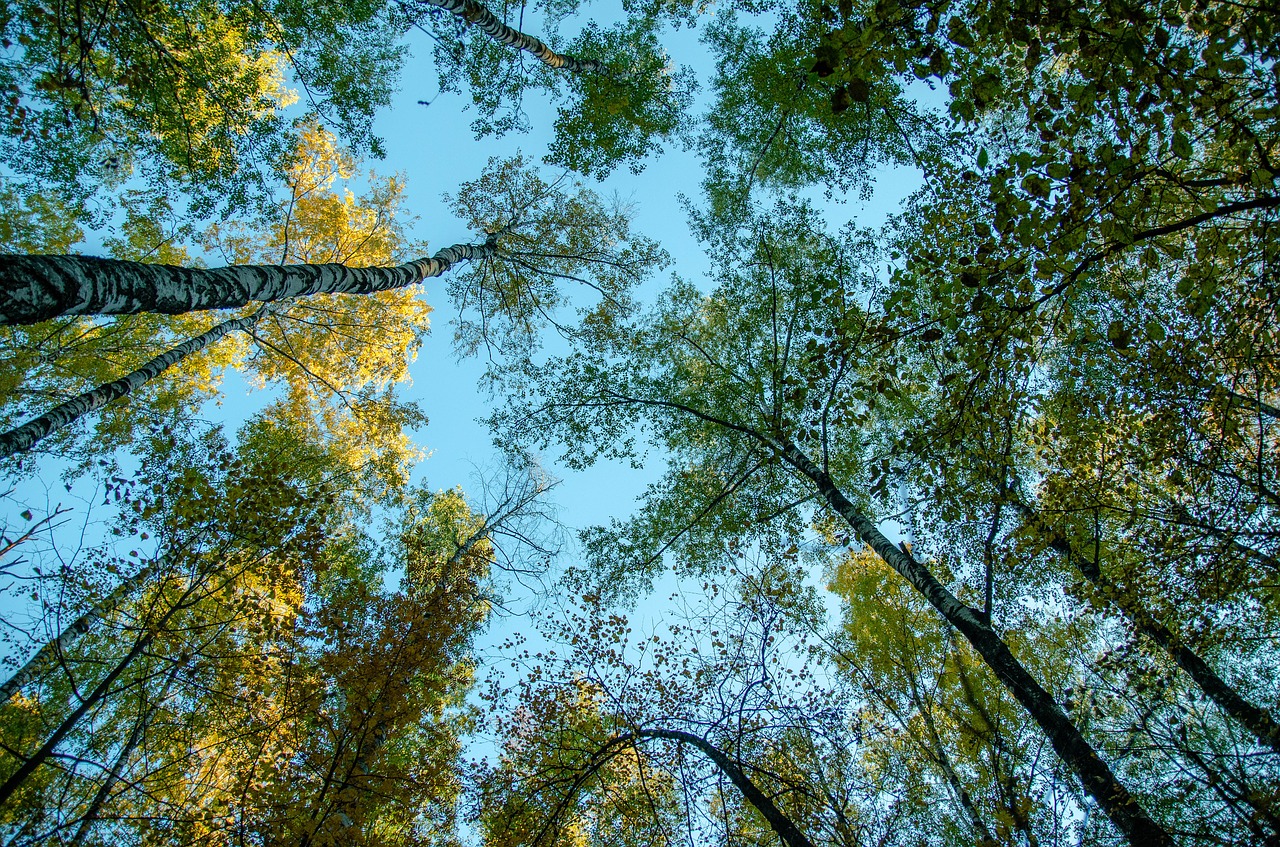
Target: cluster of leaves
pixel 185 96
pixel 337 357
pixel 272 683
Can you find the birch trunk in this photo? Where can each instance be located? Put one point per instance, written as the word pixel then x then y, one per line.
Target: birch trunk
pixel 40 288
pixel 23 438
pixel 937 750
pixel 1099 780
pixel 1256 720
pixel 786 830
pixel 52 649
pixel 480 17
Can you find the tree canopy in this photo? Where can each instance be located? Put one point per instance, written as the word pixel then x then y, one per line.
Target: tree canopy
pixel 956 528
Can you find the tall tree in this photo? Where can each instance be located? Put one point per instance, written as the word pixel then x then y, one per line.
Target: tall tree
pixel 766 374
pixel 536 233
pixel 207 553
pixel 339 346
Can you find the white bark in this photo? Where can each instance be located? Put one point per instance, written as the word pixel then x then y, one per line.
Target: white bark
pixel 23 438
pixel 480 17
pixel 40 288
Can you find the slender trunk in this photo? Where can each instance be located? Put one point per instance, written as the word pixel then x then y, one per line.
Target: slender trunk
pixel 939 755
pixel 480 17
pixel 99 693
pixel 36 759
pixel 122 760
pixel 1099 780
pixel 23 438
pixel 52 649
pixel 40 288
pixel 1253 718
pixel 113 776
pixel 781 824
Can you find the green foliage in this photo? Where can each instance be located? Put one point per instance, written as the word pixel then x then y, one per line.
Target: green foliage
pixel 548 237
pixel 184 97
pixel 777 123
pixel 289 691
pixel 625 114
pixel 1054 372
pixel 619 115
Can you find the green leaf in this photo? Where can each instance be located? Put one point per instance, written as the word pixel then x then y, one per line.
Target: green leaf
pixel 1181 145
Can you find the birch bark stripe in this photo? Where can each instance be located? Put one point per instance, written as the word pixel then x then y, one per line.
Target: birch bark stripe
pixel 40 288
pixel 480 17
pixel 23 438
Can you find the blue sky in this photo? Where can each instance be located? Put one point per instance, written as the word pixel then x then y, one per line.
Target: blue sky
pixel 434 149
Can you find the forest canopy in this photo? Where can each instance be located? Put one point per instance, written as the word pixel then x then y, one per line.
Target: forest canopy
pixel 957 527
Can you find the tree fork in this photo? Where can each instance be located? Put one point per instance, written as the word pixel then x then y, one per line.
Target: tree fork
pixel 1121 807
pixel 40 288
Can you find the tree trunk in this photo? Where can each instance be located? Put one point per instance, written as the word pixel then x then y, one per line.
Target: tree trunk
pixel 1256 720
pixel 52 649
pixel 781 824
pixel 939 754
pixel 478 16
pixel 1099 781
pixel 40 288
pixel 99 693
pixel 23 438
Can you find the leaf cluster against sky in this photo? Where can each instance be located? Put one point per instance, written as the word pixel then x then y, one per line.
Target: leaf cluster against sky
pixel 969 514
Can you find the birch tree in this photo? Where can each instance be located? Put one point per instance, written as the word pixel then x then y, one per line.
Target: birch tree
pixel 767 374
pixel 509 204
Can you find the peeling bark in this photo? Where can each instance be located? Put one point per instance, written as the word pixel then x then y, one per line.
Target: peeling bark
pixel 40 288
